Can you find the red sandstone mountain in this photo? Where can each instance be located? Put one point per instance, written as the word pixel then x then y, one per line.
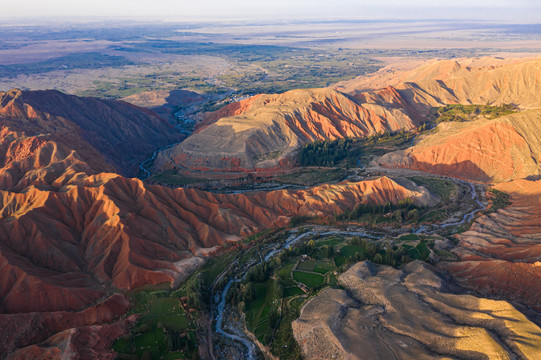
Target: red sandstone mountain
pixel 65 251
pixel 500 253
pixel 107 135
pixel 484 150
pixel 72 236
pixel 260 132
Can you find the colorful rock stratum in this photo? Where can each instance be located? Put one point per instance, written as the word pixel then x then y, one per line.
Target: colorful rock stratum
pixel 78 232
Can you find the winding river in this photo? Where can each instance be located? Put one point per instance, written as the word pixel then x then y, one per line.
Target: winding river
pixel 295 237
pixel 148 162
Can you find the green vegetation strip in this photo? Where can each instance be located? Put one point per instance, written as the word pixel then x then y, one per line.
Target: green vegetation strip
pixel 498 200
pixel 168 322
pixel 445 189
pixel 461 113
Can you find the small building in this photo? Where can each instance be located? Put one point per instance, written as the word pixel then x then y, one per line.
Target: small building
pixel 305 257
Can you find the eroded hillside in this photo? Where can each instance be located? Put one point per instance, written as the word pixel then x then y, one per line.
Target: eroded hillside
pixel 121 134
pixel 262 131
pixel 484 150
pixel 74 239
pixel 386 313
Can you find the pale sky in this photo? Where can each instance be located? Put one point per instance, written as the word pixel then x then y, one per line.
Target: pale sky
pixel 512 10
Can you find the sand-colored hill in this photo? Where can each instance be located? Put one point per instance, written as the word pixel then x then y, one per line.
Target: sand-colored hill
pixel 483 150
pixel 261 131
pixel 500 253
pixel 411 313
pixel 464 81
pixel 415 312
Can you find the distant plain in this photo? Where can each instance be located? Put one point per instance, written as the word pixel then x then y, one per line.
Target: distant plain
pixel 117 60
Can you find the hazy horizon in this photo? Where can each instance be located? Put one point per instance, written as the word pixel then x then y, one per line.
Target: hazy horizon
pixel 520 11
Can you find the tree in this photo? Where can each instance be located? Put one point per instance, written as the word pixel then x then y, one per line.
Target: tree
pixel 370 249
pixel 413 215
pixel 274 317
pixel 278 289
pixel 330 251
pixel 389 258
pixel 194 300
pixel 378 259
pixel 248 292
pixel 405 259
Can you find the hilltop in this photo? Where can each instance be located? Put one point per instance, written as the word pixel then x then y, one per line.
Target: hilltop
pixel 262 132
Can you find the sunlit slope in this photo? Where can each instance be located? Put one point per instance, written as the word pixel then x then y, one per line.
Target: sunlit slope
pixel 483 150
pixel 261 131
pixel 63 253
pixel 386 313
pixel 464 81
